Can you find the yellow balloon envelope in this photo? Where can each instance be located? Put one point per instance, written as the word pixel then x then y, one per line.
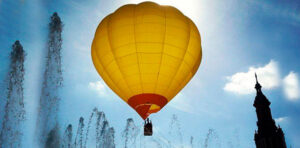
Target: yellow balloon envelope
pixel 146 53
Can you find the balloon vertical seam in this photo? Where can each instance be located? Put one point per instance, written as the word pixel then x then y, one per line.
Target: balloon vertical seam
pixel 137 57
pixel 163 48
pixel 182 60
pixel 112 51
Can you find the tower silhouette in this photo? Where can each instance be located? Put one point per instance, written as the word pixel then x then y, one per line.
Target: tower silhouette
pixel 268 134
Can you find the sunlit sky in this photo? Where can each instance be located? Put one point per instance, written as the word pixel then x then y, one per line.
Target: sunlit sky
pixel 238 39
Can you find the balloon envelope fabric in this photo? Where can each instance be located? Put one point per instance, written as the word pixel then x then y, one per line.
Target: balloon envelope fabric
pixel 146 53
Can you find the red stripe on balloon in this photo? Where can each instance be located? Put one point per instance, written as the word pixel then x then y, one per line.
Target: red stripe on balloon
pixel 142 103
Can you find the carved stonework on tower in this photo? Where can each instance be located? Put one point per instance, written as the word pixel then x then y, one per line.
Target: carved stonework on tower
pixel 268 134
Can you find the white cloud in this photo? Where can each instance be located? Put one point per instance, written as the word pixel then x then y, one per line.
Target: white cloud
pixel 244 82
pixel 99 87
pixel 281 120
pixel 291 86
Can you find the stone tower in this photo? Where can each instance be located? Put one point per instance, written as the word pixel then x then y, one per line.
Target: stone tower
pixel 268 134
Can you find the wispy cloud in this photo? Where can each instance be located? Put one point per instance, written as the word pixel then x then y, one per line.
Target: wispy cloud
pixel 291 86
pixel 243 82
pixel 281 119
pixel 99 87
pixel 181 103
pixel 283 10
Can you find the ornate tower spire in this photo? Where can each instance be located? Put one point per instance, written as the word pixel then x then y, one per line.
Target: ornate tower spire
pixel 268 134
pixel 257 85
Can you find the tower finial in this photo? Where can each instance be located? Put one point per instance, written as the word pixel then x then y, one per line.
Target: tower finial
pixel 256 77
pixel 257 85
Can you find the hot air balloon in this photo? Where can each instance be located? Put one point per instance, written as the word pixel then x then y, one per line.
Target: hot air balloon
pixel 146 53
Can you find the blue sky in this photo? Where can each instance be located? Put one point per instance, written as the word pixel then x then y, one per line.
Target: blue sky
pixel 238 39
